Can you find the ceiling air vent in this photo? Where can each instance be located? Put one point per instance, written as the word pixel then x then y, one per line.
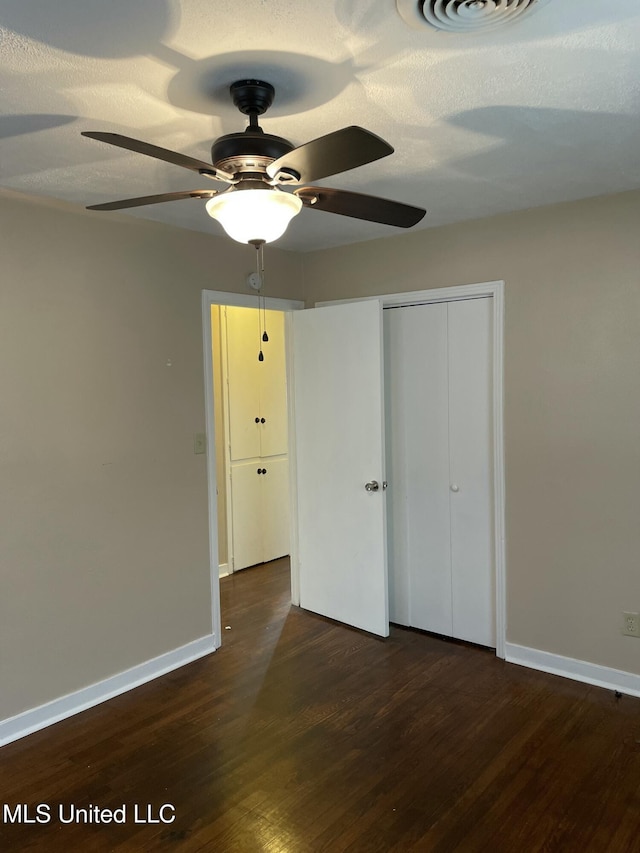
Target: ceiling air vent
pixel 465 16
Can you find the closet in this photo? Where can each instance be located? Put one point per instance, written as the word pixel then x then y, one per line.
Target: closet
pixel 438 393
pixel 255 396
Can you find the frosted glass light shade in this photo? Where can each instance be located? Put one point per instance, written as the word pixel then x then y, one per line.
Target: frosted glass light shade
pixel 248 215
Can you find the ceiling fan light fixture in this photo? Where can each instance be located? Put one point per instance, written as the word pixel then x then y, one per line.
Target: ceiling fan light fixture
pixel 254 210
pixel 254 215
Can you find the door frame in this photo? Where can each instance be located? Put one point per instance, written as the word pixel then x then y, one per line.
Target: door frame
pixel 240 300
pixel 495 290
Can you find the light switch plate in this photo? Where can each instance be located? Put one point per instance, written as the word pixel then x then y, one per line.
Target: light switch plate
pixel 199 443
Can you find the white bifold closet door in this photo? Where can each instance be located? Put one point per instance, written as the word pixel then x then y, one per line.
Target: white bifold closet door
pixel 438 379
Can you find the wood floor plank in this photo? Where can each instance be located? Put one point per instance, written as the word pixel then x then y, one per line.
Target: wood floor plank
pixel 303 736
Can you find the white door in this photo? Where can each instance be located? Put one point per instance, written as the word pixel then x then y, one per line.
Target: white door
pixel 439 369
pixel 417 393
pixel 339 423
pixel 470 453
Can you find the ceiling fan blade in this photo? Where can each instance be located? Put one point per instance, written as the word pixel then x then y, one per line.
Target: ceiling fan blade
pixel 328 155
pixel 152 199
pixel 359 206
pixel 159 153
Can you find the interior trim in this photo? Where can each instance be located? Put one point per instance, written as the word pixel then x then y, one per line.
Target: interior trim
pixel 578 670
pixel 45 715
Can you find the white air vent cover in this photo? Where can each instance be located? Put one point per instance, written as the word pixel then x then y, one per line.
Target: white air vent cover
pixel 465 16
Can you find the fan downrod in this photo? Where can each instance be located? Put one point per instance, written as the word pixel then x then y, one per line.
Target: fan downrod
pixel 250 151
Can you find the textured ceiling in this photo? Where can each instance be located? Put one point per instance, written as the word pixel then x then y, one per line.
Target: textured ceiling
pixel 544 110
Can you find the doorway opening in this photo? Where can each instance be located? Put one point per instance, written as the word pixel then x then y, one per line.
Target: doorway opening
pixel 252 446
pixel 238 470
pixel 318 400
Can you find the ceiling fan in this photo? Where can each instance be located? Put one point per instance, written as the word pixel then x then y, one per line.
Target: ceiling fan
pixel 255 164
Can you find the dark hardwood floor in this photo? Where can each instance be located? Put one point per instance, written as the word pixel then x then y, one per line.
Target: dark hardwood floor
pixel 302 735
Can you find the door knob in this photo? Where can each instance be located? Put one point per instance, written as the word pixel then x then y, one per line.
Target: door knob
pixel 454 487
pixel 373 486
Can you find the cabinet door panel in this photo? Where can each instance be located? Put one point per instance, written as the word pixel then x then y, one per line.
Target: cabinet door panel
pixel 243 346
pixel 275 508
pixel 246 501
pixel 272 376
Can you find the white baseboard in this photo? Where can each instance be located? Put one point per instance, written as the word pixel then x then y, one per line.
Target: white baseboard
pixel 73 703
pixel 578 670
pixel 223 570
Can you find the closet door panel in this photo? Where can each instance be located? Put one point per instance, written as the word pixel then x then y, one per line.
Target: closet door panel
pixel 419 476
pixel 243 346
pixel 246 501
pixel 273 388
pixel 471 500
pixel 395 398
pixel 275 508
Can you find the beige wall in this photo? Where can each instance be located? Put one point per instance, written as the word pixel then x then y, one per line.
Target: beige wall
pixel 572 407
pixel 103 505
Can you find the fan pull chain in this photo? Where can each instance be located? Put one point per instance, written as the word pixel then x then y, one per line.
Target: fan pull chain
pixel 260 353
pixel 262 307
pixel 265 336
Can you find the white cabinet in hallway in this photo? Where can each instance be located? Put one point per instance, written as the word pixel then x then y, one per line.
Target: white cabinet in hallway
pixel 257 390
pixel 256 403
pixel 260 507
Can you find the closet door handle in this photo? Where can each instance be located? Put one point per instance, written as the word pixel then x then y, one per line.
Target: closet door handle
pixel 454 487
pixel 263 421
pixel 257 420
pixel 373 486
pixel 264 470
